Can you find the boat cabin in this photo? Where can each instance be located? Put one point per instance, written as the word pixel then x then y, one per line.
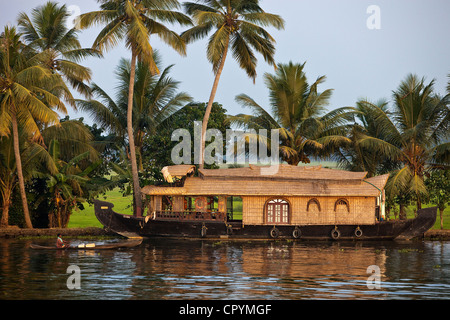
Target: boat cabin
pixel 276 195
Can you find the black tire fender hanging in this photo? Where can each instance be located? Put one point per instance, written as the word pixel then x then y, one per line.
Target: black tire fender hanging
pixel 296 233
pixel 274 233
pixel 335 233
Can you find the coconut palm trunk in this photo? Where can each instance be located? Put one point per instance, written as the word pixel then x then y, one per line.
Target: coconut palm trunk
pixel 210 103
pixel 6 194
pixel 23 195
pixel 134 169
pixel 134 22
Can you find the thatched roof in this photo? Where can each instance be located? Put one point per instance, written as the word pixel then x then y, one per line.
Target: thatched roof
pixel 288 181
pixel 178 171
pixel 282 172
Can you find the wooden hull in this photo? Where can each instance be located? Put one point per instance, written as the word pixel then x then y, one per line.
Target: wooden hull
pixel 123 244
pixel 146 227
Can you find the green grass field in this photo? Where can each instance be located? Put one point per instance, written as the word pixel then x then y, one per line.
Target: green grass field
pixel 86 218
pixel 437 225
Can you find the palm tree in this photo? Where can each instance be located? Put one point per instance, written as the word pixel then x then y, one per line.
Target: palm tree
pixel 135 21
pixel 355 157
pixel 297 109
pixel 28 92
pixel 155 99
pixel 46 31
pixel 8 179
pixel 239 24
pixel 31 155
pixel 415 133
pixel 66 184
pixel 74 139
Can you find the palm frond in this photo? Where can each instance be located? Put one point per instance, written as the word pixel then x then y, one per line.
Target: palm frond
pixel 265 19
pixel 217 45
pixel 244 55
pixel 381 146
pixel 197 32
pixel 192 8
pixel 110 35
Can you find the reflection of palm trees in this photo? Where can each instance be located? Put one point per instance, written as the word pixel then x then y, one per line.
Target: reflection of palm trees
pixel 297 109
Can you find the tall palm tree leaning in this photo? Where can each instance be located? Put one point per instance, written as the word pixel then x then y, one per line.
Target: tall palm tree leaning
pixel 237 23
pixel 134 21
pixel 28 92
pixel 47 30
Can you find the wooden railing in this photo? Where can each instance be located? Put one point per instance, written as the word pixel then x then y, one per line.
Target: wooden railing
pixel 189 215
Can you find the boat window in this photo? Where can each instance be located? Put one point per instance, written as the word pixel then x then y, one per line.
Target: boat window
pixel 234 208
pixel 313 205
pixel 213 203
pixel 167 203
pixel 341 203
pixel 277 211
pixel 189 204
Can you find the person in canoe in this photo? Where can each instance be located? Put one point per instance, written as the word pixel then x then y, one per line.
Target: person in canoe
pixel 60 243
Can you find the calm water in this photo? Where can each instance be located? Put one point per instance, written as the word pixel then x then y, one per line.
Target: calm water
pixel 186 269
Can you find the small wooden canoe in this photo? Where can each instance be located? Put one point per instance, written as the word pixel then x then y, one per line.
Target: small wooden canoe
pixel 116 245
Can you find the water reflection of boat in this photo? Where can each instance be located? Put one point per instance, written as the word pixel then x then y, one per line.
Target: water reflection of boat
pixel 116 245
pixel 266 202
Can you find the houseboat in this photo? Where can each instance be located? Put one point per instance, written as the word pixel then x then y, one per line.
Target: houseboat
pixel 258 202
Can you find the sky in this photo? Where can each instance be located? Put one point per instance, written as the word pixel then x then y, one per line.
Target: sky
pixel 364 48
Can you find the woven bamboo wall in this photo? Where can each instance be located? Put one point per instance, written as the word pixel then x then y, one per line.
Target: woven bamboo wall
pixel 252 210
pixel 360 210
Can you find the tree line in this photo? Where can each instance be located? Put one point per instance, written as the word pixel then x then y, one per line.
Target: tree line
pixel 52 165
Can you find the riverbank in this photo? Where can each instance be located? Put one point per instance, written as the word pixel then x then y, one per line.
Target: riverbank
pixel 437 234
pixel 15 232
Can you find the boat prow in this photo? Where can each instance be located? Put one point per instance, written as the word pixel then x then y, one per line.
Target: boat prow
pixel 424 221
pixel 113 221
